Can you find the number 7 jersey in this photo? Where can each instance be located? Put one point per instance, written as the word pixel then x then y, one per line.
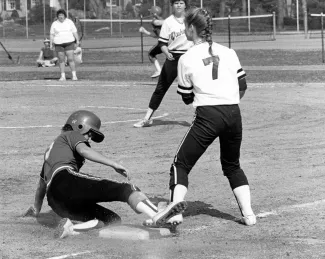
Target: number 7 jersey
pixel 214 80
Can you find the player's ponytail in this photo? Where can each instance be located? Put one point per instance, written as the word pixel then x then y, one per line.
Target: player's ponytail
pixel 208 32
pixel 201 20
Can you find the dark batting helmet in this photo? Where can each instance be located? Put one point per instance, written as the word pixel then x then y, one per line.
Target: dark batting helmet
pixel 155 10
pixel 85 121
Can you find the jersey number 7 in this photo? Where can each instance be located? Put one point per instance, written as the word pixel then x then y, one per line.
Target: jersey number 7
pixel 215 60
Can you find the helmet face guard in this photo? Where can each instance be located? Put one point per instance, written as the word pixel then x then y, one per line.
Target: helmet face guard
pixel 85 121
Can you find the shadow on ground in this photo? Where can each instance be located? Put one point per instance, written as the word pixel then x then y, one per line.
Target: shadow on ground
pixel 166 122
pixel 195 208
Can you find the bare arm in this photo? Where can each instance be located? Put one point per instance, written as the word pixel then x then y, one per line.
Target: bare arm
pixel 39 196
pixel 158 22
pixel 40 56
pixel 75 34
pixel 34 210
pixel 51 41
pixel 168 55
pixel 97 157
pixel 241 94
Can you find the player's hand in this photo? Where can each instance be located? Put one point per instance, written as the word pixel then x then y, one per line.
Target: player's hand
pixel 122 170
pixel 31 212
pixel 169 56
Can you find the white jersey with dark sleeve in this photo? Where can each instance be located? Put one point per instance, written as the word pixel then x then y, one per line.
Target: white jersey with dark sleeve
pixel 172 35
pixel 195 75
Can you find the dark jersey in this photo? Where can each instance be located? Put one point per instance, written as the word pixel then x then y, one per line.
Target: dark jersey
pixel 62 154
pixel 48 54
pixel 156 29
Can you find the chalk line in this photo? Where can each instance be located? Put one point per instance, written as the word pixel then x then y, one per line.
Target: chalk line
pixel 113 107
pixel 69 255
pixel 55 126
pixel 290 208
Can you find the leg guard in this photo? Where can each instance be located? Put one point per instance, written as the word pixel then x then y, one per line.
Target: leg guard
pixel 236 178
pixel 135 198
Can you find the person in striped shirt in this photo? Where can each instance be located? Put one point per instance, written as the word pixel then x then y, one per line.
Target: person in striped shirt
pixel 210 77
pixel 174 44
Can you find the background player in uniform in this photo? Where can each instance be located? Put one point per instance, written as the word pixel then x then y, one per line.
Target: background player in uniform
pixel 210 76
pixel 47 57
pixel 174 44
pixel 156 23
pixel 74 195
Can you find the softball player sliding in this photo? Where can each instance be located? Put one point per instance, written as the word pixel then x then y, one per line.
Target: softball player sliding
pixel 174 44
pixel 156 23
pixel 74 195
pixel 210 76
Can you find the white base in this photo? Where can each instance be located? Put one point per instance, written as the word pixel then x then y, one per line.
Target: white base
pixel 133 233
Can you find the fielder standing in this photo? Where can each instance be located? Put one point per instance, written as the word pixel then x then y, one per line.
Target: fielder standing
pixel 174 44
pixel 210 76
pixel 156 23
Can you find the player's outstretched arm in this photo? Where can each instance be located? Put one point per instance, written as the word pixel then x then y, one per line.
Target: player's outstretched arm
pixel 168 55
pixel 97 157
pixel 34 210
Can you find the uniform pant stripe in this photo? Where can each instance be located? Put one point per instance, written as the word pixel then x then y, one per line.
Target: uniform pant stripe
pixel 180 145
pixel 82 175
pixel 175 175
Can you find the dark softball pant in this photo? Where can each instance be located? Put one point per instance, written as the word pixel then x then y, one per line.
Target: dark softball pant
pixel 75 195
pixel 167 76
pixel 154 51
pixel 210 122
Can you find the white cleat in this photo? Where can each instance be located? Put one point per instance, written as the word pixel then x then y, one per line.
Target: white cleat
pixel 176 220
pixel 74 78
pixel 173 209
pixel 143 123
pixel 249 220
pixel 62 78
pixel 65 229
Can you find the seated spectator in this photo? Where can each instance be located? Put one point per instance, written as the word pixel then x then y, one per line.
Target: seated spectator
pixel 47 56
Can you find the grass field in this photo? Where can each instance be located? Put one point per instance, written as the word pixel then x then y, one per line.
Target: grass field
pixel 282 154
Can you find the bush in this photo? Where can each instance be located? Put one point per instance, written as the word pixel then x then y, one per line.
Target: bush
pixel 15 15
pixel 36 14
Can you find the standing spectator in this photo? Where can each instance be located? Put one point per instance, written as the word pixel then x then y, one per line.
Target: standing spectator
pixel 64 37
pixel 47 56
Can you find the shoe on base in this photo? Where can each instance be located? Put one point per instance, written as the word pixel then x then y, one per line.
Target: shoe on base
pixel 172 222
pixel 64 229
pixel 156 74
pixel 62 78
pixel 176 220
pixel 173 209
pixel 74 78
pixel 249 220
pixel 143 123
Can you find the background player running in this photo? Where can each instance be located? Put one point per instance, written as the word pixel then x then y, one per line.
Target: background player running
pixel 74 195
pixel 210 76
pixel 156 23
pixel 174 44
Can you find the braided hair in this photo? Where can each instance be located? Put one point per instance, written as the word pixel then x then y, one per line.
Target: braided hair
pixel 202 21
